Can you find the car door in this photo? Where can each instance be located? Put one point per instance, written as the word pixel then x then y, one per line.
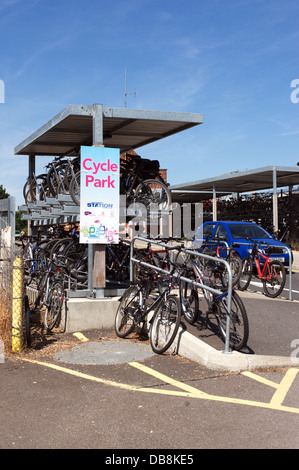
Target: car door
pixel 222 236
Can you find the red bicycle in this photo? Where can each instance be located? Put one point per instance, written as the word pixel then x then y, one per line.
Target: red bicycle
pixel 270 271
pixel 157 257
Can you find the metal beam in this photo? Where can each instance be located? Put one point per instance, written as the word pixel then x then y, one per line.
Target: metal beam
pixel 275 205
pixel 214 204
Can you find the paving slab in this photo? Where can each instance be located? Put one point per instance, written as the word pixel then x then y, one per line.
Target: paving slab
pixel 105 352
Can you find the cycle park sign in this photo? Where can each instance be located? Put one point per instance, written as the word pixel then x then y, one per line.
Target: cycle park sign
pixel 99 195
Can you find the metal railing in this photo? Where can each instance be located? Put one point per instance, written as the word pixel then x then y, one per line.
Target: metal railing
pixel 196 284
pixel 266 245
pixel 213 241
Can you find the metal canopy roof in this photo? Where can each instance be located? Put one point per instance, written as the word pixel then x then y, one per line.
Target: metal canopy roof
pixel 121 128
pixel 236 182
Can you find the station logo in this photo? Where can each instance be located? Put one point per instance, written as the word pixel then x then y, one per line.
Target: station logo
pixel 102 205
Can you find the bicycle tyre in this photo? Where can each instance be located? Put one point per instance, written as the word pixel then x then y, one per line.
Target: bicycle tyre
pixel 26 191
pixel 246 274
pixel 125 315
pixel 54 305
pixel 61 246
pixel 278 278
pixel 235 263
pixel 77 260
pixel 38 189
pixel 26 322
pixel 165 324
pixel 71 168
pixel 152 191
pixel 74 188
pixel 189 299
pixel 239 325
pixel 137 268
pixel 56 168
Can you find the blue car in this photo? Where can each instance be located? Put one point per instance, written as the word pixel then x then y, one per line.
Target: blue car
pixel 241 232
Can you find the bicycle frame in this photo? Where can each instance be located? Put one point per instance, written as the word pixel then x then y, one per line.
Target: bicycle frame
pixel 260 271
pixel 151 255
pixel 153 306
pixel 201 276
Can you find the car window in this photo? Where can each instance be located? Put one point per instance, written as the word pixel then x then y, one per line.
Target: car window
pixel 247 231
pixel 208 230
pixel 221 232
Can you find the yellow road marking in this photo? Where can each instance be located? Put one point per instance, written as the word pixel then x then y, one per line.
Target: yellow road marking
pixel 258 378
pixel 169 380
pixel 104 381
pixel 284 387
pixel 191 393
pixel 81 337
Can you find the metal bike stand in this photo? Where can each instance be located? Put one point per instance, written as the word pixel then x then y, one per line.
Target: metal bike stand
pixel 183 278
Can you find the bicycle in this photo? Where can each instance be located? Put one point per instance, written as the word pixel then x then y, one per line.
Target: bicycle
pixel 140 182
pixel 217 302
pixel 26 320
pixel 271 272
pixel 51 292
pixel 213 247
pixel 133 311
pixel 158 257
pixel 55 175
pixel 118 261
pixel 36 188
pixel 34 257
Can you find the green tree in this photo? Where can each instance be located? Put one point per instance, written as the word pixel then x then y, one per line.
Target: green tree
pixel 21 224
pixel 3 193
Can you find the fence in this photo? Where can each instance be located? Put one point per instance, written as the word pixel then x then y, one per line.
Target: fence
pixel 6 291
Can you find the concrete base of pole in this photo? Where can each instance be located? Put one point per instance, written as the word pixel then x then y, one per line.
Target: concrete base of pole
pixel 88 314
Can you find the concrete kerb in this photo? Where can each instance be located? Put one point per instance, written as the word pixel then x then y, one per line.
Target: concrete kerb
pixel 196 350
pixel 100 314
pixel 295 265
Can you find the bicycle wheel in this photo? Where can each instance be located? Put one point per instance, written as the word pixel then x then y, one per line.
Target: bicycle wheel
pixel 165 324
pixel 124 319
pixel 38 189
pixel 71 168
pixel 239 326
pixel 137 268
pixel 77 260
pixel 53 305
pixel 236 267
pixel 26 322
pixel 153 192
pixel 26 191
pixel 55 176
pixel 74 188
pixel 61 246
pixel 277 278
pixel 189 299
pixel 246 274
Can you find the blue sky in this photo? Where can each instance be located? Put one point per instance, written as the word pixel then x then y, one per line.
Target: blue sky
pixel 233 61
